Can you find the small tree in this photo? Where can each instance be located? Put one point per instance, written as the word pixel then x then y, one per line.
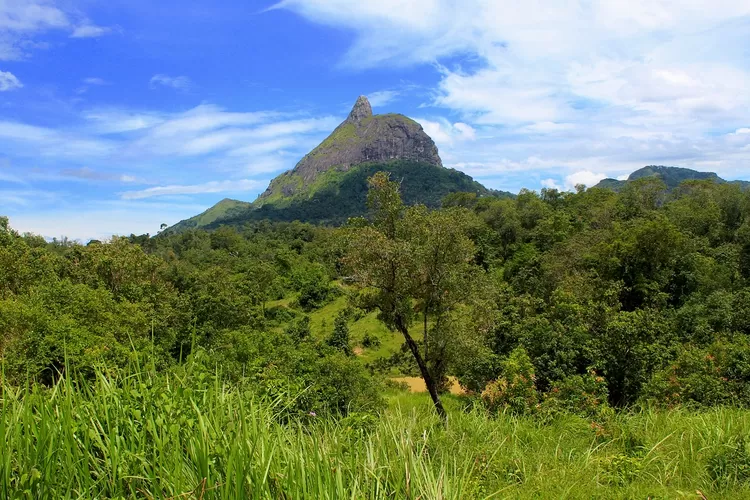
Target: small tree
pixel 299 330
pixel 260 283
pixel 340 338
pixel 414 263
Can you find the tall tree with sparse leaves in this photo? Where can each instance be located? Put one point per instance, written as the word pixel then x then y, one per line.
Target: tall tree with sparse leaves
pixel 413 264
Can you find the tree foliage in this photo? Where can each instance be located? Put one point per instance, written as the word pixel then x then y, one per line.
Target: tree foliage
pixel 637 297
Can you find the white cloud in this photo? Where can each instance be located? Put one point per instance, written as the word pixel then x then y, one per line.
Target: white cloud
pixel 603 86
pixel 585 177
pixel 547 128
pixel 233 186
pixel 8 81
pixel 94 81
pixel 210 130
pixel 742 131
pixel 90 31
pixel 35 141
pixel 89 174
pixel 115 121
pixel 569 182
pixel 22 21
pixel 446 134
pixel 91 81
pixel 30 15
pixel 383 97
pixel 10 178
pixel 176 82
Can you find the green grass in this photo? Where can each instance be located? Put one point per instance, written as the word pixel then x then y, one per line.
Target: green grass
pixel 186 435
pixel 321 325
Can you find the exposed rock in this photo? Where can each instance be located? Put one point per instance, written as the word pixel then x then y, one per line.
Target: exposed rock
pixel 362 138
pixel 361 110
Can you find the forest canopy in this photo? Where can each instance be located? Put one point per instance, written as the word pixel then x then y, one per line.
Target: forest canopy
pixel 572 299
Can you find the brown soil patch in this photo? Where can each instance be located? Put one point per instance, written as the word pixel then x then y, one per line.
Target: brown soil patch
pixel 358 351
pixel 416 384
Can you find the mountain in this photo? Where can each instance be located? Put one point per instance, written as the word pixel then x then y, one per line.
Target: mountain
pixel 329 184
pixel 671 176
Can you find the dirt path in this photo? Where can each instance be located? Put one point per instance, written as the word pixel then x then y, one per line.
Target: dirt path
pixel 416 384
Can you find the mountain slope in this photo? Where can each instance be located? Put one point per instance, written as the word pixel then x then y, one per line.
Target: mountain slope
pixel 671 176
pixel 335 196
pixel 329 184
pixel 226 208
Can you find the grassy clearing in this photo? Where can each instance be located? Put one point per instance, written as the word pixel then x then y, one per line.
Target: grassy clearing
pixel 321 325
pixel 142 435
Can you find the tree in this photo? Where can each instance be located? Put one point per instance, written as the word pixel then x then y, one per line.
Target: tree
pixel 412 262
pixel 260 283
pixel 340 338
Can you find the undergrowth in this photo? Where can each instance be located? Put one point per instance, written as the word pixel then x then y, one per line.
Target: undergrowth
pixel 185 434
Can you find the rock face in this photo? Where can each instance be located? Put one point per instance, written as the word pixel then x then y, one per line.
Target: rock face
pixel 362 138
pixel 360 111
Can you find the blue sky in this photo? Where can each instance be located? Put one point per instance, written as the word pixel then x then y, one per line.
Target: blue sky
pixel 118 116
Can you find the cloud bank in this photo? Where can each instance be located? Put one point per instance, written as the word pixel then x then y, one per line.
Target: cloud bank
pixel 598 87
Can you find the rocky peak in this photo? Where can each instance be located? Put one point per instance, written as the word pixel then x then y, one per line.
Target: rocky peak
pixel 361 110
pixel 361 138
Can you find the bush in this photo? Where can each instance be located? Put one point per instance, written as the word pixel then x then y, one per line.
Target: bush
pixel 584 395
pixel 280 314
pixel 515 390
pixel 370 341
pixel 314 286
pixel 703 377
pixel 299 330
pixel 303 377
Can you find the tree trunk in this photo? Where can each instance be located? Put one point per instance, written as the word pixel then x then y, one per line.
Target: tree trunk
pixel 428 380
pixel 426 340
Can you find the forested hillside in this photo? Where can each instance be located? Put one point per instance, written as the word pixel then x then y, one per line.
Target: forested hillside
pixel 553 305
pixel 643 289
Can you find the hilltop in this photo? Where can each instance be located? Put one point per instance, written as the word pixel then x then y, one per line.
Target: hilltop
pixel 671 176
pixel 329 184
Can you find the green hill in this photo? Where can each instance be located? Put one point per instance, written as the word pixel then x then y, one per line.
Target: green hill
pixel 335 195
pixel 672 177
pixel 226 208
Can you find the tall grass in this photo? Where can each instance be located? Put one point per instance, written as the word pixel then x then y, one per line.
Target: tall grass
pixel 186 435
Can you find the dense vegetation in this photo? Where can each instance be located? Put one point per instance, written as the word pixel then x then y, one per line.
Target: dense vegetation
pixel 573 321
pixel 336 195
pixel 183 434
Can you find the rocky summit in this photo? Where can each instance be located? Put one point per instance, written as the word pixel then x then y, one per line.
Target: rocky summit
pixel 329 184
pixel 362 138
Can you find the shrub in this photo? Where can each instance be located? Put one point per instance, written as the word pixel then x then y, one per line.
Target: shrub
pixel 584 395
pixel 314 286
pixel 299 330
pixel 515 389
pixel 703 377
pixel 620 470
pixel 370 341
pixel 280 314
pixel 301 376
